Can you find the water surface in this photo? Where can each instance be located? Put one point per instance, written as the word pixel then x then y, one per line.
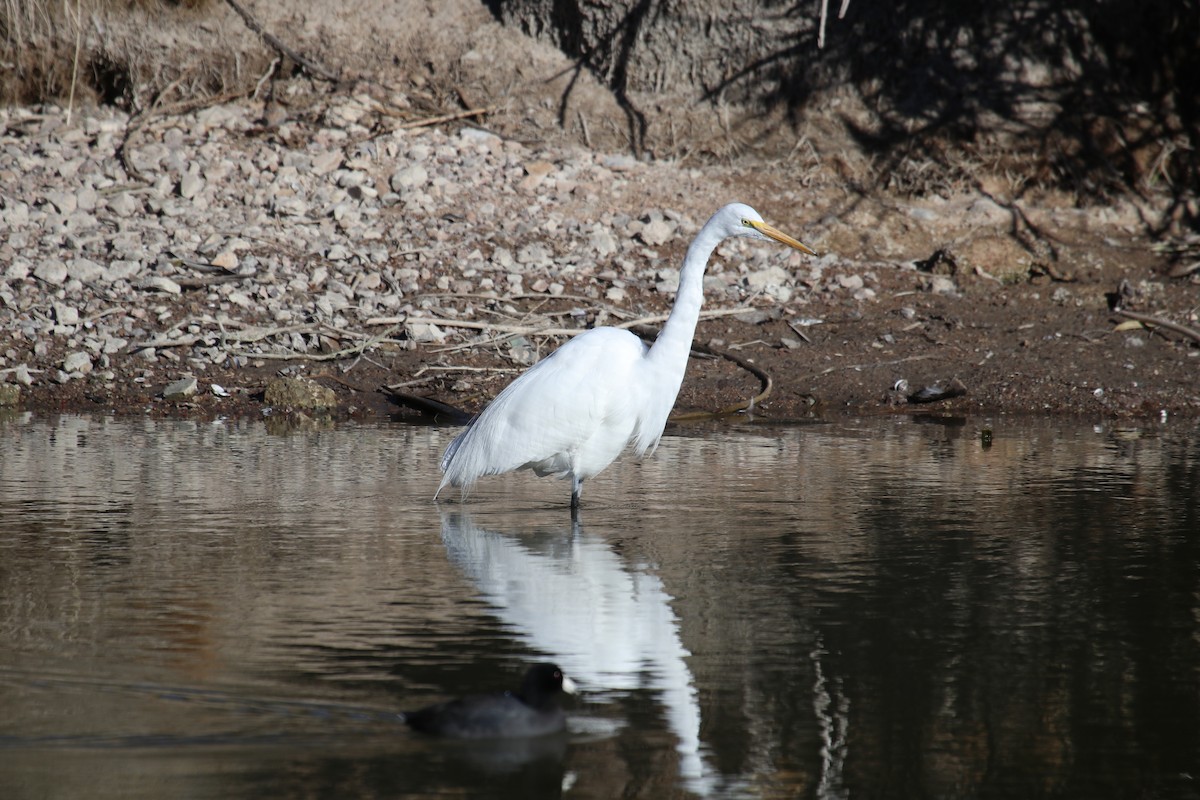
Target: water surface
pixel 881 608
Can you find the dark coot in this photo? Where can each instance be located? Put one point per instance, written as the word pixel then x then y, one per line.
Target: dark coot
pixel 532 710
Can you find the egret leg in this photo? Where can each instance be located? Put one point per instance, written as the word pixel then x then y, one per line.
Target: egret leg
pixel 576 490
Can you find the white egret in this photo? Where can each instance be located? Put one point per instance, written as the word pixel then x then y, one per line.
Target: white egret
pixel 572 413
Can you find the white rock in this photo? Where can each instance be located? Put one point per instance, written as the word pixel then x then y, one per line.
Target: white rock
pixel 763 279
pixel 603 242
pixel 940 284
pixel 410 177
pixel 77 362
pixel 63 202
pixel 18 270
pixel 426 332
pixel 16 215
pixel 51 271
pixel 184 387
pixel 122 270
pixel 190 185
pixel 86 199
pixel 324 163
pixel 84 270
pixel 620 163
pixel 65 314
pixel 291 206
pixel 657 232
pixel 124 204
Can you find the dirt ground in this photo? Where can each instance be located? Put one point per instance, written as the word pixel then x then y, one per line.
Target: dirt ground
pixel 1044 344
pixel 1005 302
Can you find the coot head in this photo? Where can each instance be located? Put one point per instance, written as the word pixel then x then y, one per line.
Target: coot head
pixel 532 710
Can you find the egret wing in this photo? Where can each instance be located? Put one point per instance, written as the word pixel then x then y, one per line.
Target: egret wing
pixel 584 395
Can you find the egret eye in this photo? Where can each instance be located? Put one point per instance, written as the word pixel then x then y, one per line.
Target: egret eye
pixel 746 223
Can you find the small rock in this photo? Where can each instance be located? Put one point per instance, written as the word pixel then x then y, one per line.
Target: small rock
pixel 226 259
pixel 289 205
pixel 852 282
pixel 51 271
pixel 765 280
pixel 603 242
pixel 124 205
pixel 190 185
pixel 122 270
pixel 84 270
pixel 534 255
pixel 10 395
pixel 77 362
pixel 299 393
pixel 184 387
pixel 86 199
pixel 620 163
pixel 327 162
pixel 65 314
pixel 535 173
pixel 657 232
pixel 941 284
pixel 63 202
pixel 411 176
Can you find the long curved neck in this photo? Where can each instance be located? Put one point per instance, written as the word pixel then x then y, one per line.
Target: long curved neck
pixel 674 342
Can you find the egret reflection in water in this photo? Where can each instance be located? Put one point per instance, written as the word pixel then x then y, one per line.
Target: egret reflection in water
pixel 609 625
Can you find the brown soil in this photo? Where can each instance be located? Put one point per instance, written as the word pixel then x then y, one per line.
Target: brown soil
pixel 1045 344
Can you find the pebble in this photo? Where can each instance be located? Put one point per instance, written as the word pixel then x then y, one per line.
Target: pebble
pixel 299 393
pixel 77 362
pixel 411 176
pixel 51 271
pixel 84 270
pixel 657 232
pixel 184 387
pixel 315 227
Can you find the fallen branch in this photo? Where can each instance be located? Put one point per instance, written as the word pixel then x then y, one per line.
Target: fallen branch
pixel 248 335
pixel 438 120
pixel 277 43
pixel 525 330
pixel 356 350
pixel 745 405
pixel 876 365
pixel 1158 322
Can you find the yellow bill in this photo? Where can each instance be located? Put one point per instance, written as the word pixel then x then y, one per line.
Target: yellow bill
pixel 782 237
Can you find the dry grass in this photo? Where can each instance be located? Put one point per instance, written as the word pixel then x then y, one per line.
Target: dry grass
pixel 106 51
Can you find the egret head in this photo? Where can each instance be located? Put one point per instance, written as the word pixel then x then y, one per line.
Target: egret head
pixel 740 219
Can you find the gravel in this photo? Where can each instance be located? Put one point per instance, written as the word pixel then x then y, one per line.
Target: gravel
pixel 248 244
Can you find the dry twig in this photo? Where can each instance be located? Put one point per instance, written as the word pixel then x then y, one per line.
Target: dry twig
pixel 1158 322
pixel 308 64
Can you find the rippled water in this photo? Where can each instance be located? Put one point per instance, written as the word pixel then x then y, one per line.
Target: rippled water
pixel 884 608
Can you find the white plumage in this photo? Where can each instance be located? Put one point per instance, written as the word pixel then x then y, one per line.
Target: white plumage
pixel 575 411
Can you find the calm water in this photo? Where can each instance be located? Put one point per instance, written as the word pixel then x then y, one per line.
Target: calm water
pixel 875 609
